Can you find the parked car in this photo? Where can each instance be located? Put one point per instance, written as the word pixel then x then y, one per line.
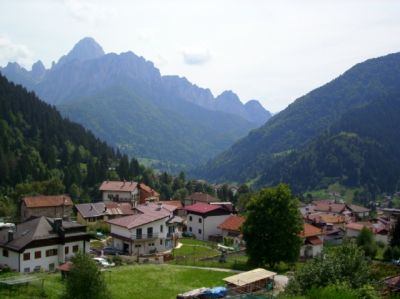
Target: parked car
pixel 396 262
pixel 103 262
pixel 111 251
pixel 187 234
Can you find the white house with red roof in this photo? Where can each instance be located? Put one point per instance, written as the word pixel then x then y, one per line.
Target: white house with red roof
pixel 203 219
pixel 152 228
pixel 379 230
pixel 231 228
pixel 312 241
pixel 120 191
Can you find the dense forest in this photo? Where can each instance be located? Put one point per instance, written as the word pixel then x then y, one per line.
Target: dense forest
pixel 43 153
pixel 361 149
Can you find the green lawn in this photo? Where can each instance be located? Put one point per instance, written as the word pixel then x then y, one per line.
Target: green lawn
pixel 192 252
pixel 136 281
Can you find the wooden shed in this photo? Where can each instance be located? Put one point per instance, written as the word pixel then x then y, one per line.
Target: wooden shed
pixel 250 281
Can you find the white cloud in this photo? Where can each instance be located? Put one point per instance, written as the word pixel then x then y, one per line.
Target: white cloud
pixel 88 10
pixel 196 55
pixel 12 52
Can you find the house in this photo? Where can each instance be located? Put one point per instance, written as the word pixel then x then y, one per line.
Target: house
pixel 231 229
pixel 379 230
pixel 120 191
pixel 42 243
pixel 331 207
pixel 312 241
pixel 199 197
pixel 93 213
pixel 53 206
pixel 152 228
pixel 147 194
pixel 203 219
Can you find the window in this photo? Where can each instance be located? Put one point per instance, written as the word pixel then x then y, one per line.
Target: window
pixel 161 241
pixel 151 244
pixel 200 220
pixel 138 246
pixel 161 228
pixel 5 252
pixel 66 249
pixel 150 232
pixel 51 252
pixel 27 270
pixel 190 228
pixel 38 254
pixel 138 233
pixel 36 269
pixel 190 218
pixel 199 231
pixel 27 256
pixel 75 248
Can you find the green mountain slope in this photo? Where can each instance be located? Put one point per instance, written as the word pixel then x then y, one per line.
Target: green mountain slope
pixel 361 149
pixel 304 120
pixel 38 144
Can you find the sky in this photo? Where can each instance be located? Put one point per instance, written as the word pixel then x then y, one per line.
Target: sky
pixel 273 51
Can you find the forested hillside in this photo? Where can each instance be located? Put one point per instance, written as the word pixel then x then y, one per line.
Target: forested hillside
pixel 309 117
pixel 38 144
pixel 361 149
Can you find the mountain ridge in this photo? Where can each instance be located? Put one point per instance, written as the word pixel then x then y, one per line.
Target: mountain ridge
pixel 304 120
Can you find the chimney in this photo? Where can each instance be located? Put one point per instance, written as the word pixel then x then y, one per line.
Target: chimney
pixel 57 225
pixel 10 235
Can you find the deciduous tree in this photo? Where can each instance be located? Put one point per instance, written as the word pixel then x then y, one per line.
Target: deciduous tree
pixel 272 227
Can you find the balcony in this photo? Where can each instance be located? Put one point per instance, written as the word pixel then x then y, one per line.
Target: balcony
pixel 144 236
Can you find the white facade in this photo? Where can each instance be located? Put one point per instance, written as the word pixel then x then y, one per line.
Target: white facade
pixel 45 258
pixel 204 226
pixel 310 250
pixel 128 240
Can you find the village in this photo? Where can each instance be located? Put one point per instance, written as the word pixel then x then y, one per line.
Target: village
pixel 130 224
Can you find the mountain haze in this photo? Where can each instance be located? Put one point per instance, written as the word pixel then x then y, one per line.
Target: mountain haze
pixel 308 119
pixel 124 99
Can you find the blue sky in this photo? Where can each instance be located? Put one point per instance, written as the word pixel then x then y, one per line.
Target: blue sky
pixel 274 51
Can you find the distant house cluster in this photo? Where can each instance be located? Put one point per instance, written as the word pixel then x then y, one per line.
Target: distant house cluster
pixel 336 221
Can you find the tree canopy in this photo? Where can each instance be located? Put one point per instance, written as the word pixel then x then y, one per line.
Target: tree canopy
pixel 272 227
pixel 85 280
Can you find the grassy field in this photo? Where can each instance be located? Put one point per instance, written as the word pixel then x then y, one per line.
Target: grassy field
pixel 136 281
pixel 192 253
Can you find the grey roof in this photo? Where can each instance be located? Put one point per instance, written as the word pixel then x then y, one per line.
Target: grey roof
pixel 98 209
pixel 147 213
pixel 35 229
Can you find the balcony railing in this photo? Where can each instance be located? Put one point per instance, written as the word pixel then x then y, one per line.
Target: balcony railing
pixel 144 236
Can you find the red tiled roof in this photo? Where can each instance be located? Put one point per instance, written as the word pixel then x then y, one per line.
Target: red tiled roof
pixel 201 197
pixel 176 203
pixel 356 225
pixel 358 209
pixel 202 208
pixel 66 267
pixel 393 282
pixel 118 186
pixel 232 223
pixel 47 201
pixel 148 190
pixel 314 240
pixel 310 230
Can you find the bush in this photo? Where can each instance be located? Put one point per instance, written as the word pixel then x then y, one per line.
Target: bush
pixel 117 260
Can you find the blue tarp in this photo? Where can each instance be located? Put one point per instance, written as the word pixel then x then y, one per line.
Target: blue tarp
pixel 217 292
